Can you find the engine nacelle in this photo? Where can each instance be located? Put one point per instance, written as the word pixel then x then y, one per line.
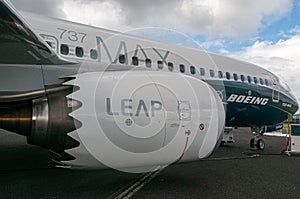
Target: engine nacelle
pixel 131 121
pixel 135 120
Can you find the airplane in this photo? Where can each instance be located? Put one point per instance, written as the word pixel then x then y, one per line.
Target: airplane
pixel 104 99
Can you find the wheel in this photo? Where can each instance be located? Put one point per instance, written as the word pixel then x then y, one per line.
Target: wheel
pixel 260 144
pixel 252 143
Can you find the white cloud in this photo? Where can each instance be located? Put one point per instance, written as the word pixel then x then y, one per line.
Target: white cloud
pixel 53 8
pixel 295 30
pixel 106 14
pixel 281 58
pixel 215 43
pixel 230 18
pixel 218 18
pixel 233 18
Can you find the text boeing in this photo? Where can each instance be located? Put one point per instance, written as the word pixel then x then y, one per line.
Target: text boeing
pixel 248 99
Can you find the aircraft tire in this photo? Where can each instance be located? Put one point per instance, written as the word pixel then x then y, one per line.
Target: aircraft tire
pixel 260 144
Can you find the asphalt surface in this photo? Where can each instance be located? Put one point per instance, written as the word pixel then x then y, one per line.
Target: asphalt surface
pixel 234 171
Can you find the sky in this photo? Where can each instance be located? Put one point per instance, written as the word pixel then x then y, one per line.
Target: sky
pixel 265 32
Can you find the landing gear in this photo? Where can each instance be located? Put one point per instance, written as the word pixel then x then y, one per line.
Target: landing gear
pixel 260 144
pixel 256 142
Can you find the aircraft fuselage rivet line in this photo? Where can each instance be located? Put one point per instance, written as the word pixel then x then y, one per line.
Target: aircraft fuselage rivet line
pixel 138 185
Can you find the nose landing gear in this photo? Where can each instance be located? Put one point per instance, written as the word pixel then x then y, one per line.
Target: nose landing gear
pixel 257 142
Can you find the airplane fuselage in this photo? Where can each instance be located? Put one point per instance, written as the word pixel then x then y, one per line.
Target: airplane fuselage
pixel 253 96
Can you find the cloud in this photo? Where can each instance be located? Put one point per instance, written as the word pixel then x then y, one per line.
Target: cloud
pixel 295 30
pixel 105 14
pixel 281 57
pixel 213 18
pixel 52 8
pixel 231 18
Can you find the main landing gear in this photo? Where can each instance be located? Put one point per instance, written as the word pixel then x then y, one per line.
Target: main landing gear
pixel 257 142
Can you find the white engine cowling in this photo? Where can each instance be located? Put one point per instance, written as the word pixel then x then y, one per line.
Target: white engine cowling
pixel 136 120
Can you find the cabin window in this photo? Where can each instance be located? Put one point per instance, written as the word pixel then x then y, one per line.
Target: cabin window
pixel 228 76
pixel 242 78
pixel 170 66
pixel 64 49
pixel 267 82
pixel 160 65
pixel 255 80
pixel 148 63
pixel 220 74
pixel 249 79
pixel 94 54
pixel 202 71
pixel 212 73
pixel 182 68
pixel 122 59
pixel 261 81
pixel 193 70
pixel 235 76
pixel 135 61
pixel 79 51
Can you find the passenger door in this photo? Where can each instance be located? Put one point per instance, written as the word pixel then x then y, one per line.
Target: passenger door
pixel 275 93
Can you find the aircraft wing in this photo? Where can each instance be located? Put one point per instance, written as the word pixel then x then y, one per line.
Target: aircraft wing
pixel 19 45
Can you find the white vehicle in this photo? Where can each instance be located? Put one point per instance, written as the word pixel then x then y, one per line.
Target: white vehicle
pixel 228 135
pixel 295 138
pixel 102 99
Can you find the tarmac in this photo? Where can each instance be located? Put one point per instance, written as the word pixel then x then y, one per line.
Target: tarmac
pixel 233 171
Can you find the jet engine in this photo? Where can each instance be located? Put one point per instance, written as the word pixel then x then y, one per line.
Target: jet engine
pixel 131 121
